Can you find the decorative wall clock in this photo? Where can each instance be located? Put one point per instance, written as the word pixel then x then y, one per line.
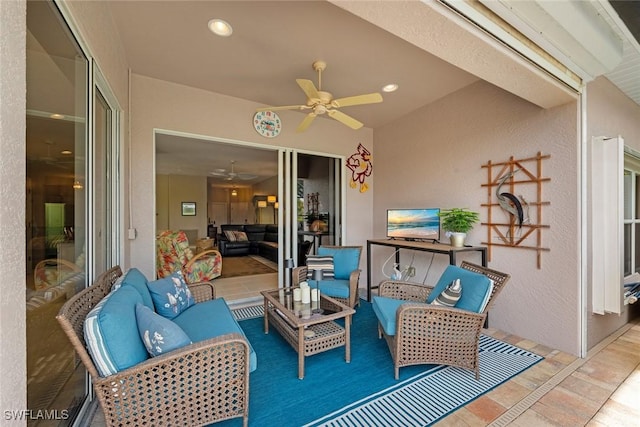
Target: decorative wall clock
pixel 267 124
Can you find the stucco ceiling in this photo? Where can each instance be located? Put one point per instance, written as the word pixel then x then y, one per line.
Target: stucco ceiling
pixel 273 44
pixel 276 42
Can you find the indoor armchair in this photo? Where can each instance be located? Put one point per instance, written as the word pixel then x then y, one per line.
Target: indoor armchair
pixel 174 254
pixel 342 281
pixel 420 332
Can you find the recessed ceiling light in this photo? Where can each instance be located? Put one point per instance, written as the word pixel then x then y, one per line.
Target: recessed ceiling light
pixel 220 27
pixel 390 87
pixel 57 116
pixel 66 152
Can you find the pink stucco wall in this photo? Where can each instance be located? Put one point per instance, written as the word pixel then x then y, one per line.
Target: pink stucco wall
pixel 433 157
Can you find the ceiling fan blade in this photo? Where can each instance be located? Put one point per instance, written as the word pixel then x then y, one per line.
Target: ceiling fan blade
pixel 309 88
pixel 370 98
pixel 246 176
pixel 306 122
pixel 285 107
pixel 345 119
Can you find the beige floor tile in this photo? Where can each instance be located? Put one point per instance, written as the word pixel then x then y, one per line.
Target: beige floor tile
pixel 461 418
pixel 486 409
pixel 531 418
pixel 615 414
pixel 509 393
pixel 586 389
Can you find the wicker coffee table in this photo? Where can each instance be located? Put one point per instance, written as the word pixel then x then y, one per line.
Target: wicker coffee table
pixel 309 328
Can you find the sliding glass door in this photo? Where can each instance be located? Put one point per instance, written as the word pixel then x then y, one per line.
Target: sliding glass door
pixel 56 200
pixel 71 229
pixel 318 185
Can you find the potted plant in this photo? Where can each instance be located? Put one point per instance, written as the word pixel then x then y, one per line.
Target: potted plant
pixel 457 222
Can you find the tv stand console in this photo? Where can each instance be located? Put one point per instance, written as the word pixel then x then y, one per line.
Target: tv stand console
pixel 437 248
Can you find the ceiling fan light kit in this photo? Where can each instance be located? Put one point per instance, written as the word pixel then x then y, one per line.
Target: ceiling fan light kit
pixel 322 102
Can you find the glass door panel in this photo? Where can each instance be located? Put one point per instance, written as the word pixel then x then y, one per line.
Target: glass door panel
pixel 318 197
pixel 56 141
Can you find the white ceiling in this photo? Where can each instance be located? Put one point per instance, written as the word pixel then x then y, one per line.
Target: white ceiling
pixel 273 44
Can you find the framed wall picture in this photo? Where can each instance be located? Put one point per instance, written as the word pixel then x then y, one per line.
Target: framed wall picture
pixel 188 208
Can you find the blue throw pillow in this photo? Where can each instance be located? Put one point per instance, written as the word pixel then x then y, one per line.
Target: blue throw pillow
pixel 171 295
pixel 159 335
pixel 111 332
pixel 134 277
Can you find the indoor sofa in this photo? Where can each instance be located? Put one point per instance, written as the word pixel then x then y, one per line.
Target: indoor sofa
pixel 160 353
pixel 245 239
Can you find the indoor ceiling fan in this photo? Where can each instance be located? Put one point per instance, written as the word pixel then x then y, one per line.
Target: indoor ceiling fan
pixel 321 102
pixel 232 175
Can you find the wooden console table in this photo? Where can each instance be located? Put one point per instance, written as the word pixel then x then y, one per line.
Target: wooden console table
pixel 437 248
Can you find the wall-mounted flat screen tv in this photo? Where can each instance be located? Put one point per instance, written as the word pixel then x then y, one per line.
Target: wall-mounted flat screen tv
pixel 413 224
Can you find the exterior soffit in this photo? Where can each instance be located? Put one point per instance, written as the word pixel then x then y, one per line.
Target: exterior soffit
pixel 443 33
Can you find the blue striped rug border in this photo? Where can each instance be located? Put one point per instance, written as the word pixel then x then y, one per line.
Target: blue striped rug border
pixel 245 313
pixel 430 396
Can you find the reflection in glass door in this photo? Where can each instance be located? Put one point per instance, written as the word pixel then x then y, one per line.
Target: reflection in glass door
pixel 319 203
pixel 103 173
pixel 56 141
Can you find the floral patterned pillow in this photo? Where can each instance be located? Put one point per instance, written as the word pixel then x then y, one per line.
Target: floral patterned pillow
pixel 171 295
pixel 159 335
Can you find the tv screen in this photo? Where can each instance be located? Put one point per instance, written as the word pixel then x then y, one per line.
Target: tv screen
pixel 413 224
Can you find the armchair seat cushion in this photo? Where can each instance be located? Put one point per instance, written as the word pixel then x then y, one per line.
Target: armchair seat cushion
pixel 476 288
pixel 210 319
pixel 385 310
pixel 332 288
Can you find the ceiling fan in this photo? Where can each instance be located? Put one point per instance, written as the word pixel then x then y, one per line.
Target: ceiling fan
pixel 321 102
pixel 232 175
pixel 63 162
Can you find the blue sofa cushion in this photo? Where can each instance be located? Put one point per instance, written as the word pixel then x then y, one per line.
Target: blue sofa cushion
pixel 111 332
pixel 171 295
pixel 332 288
pixel 476 288
pixel 209 319
pixel 385 310
pixel 345 260
pixel 134 278
pixel 159 334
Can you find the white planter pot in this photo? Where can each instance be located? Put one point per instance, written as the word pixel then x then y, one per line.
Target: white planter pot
pixel 457 239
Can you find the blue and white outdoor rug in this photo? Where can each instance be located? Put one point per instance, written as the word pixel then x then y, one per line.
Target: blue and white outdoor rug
pixel 363 392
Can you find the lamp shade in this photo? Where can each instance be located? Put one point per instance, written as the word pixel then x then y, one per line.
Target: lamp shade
pixel 262 204
pixel 271 199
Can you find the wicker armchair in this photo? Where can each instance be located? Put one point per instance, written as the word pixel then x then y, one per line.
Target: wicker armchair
pixel 347 274
pixel 174 254
pixel 199 384
pixel 429 333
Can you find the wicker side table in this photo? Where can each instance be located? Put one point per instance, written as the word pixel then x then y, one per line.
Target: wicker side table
pixel 313 335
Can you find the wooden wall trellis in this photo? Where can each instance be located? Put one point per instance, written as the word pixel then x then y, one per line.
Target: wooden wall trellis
pixel 524 173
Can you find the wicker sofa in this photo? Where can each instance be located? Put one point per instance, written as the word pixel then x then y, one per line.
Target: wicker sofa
pixel 197 384
pixel 262 239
